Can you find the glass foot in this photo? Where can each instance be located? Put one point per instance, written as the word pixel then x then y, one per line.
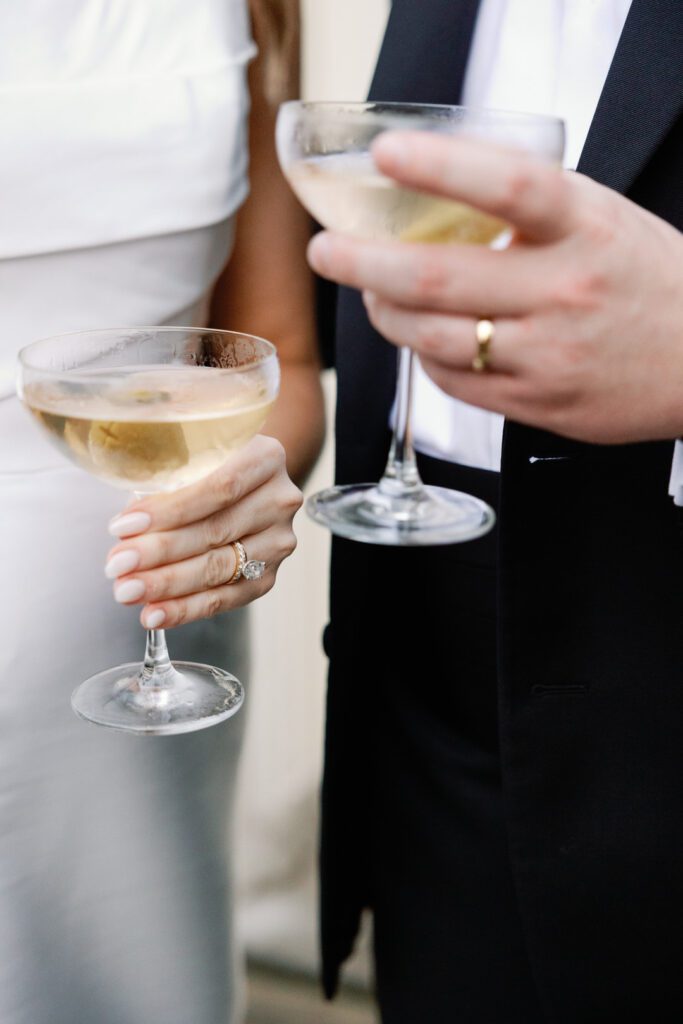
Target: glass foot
pixel 428 517
pixel 191 697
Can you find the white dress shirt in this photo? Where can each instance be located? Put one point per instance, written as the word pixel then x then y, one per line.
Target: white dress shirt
pixel 539 56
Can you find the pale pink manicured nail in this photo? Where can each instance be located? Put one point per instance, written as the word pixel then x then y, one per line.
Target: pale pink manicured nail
pixel 152 620
pixel 129 524
pixel 129 590
pixel 121 563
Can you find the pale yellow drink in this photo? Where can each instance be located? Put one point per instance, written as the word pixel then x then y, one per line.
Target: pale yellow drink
pixel 345 192
pixel 149 430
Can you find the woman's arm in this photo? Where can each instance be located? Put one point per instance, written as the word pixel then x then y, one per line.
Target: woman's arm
pixel 177 548
pixel 267 288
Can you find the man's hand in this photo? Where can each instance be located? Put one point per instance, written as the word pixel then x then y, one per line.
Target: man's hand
pixel 587 301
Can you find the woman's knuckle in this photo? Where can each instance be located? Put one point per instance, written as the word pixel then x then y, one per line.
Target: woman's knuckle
pixel 153 586
pixel 224 484
pixel 269 450
pixel 217 530
pixel 213 604
pixel 161 548
pixel 292 499
pixel 179 612
pixel 277 450
pixel 160 583
pixel 285 545
pixel 216 570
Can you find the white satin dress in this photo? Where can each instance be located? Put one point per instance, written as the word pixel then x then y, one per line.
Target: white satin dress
pixel 123 159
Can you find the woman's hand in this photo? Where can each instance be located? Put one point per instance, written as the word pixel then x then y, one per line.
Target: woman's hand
pixel 587 303
pixel 176 555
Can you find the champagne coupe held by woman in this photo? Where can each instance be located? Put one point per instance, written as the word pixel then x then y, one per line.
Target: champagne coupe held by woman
pixel 149 410
pixel 325 152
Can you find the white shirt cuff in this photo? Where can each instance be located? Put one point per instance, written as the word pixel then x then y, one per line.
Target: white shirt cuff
pixel 676 482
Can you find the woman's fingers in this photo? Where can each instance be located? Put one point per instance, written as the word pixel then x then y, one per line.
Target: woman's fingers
pixel 535 197
pixel 277 498
pixel 177 557
pixel 203 572
pixel 183 574
pixel 199 588
pixel 243 472
pixel 204 605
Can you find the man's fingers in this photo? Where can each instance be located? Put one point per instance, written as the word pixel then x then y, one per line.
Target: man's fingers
pixel 497 392
pixel 448 340
pixel 464 279
pixel 532 195
pixel 515 396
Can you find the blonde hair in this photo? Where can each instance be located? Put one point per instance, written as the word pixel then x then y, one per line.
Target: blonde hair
pixel 277 25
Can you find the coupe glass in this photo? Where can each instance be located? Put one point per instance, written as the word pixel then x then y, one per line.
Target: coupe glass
pixel 325 152
pixel 150 410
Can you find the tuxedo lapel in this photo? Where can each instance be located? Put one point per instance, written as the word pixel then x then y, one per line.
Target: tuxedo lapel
pixel 642 97
pixel 424 58
pixel 425 51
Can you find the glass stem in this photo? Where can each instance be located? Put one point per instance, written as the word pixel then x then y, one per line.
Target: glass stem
pixel 401 477
pixel 157 667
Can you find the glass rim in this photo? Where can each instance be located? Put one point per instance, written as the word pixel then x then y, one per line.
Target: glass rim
pixel 399 110
pixel 24 361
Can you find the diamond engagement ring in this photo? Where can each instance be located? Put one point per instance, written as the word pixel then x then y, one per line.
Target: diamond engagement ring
pixel 245 568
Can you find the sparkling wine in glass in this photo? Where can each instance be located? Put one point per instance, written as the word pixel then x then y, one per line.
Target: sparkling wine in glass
pixel 150 410
pixel 325 152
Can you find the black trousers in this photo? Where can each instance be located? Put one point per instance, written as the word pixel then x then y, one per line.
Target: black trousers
pixel 449 943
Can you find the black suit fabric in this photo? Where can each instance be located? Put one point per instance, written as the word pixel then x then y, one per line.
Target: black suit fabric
pixel 504 752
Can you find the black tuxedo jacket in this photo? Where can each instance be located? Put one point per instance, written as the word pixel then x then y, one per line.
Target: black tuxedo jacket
pixel 590 604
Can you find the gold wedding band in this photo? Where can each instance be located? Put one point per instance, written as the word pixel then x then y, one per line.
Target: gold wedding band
pixel 485 332
pixel 240 561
